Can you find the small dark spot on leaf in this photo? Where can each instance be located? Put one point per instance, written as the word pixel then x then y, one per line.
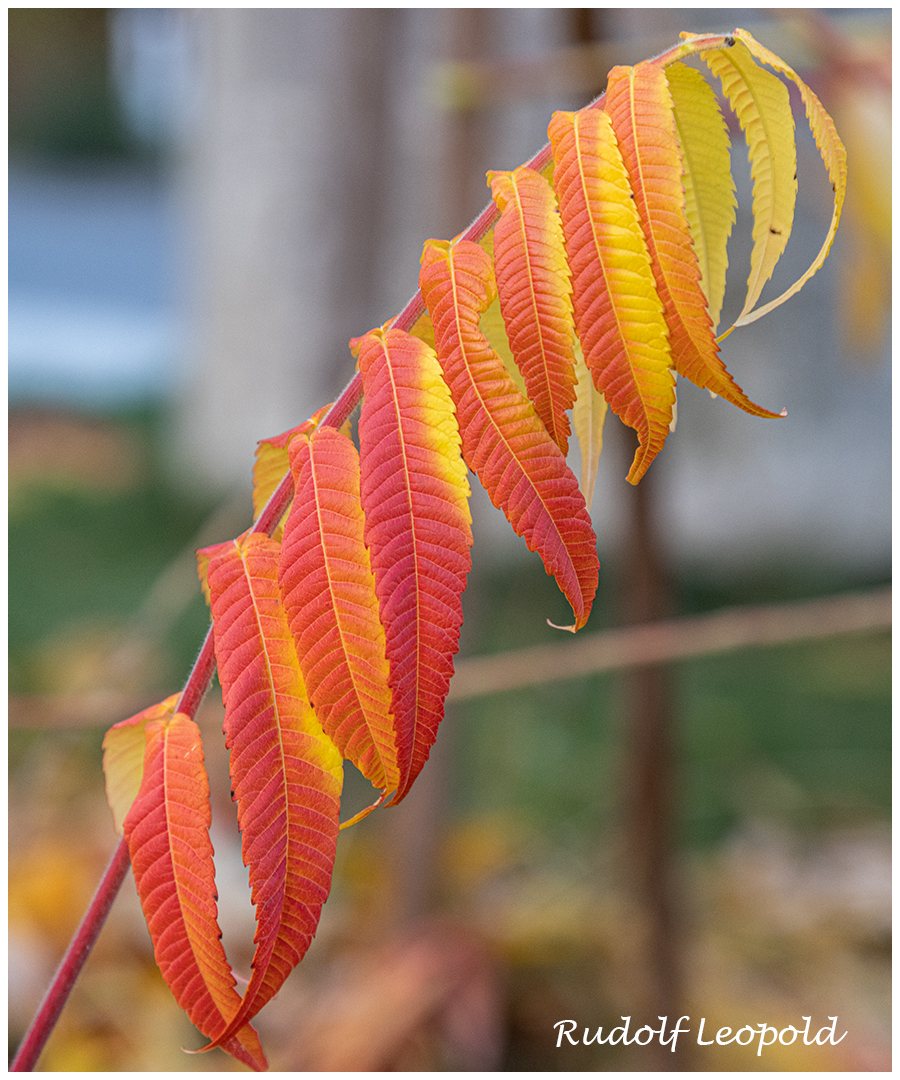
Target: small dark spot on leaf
pixel 775 232
pixel 729 41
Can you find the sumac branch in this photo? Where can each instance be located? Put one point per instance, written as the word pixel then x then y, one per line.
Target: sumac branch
pixel 591 284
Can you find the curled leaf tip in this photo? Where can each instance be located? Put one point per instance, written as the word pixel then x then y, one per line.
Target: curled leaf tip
pixel 364 813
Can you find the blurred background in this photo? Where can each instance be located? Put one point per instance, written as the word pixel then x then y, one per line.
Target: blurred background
pixel 204 206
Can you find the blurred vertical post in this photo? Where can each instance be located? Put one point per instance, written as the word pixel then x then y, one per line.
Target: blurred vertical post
pixel 648 758
pixel 282 179
pixel 648 774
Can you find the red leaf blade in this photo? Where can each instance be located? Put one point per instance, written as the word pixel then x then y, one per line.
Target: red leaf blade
pixel 503 441
pixel 535 292
pixel 414 493
pixel 167 830
pixel 329 595
pixel 287 774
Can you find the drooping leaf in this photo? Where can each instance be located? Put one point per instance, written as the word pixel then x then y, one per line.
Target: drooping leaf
pixel 762 106
pixel 588 416
pixel 503 441
pixel 640 110
pixel 618 312
pixel 286 772
pixel 123 757
pixel 415 491
pixel 328 591
pixel 535 293
pixel 833 155
pixel 167 830
pixel 710 201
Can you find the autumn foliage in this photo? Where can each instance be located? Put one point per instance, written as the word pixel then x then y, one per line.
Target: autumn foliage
pixel 592 284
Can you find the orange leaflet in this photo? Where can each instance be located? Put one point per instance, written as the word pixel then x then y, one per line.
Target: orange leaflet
pixel 535 292
pixel 415 491
pixel 503 441
pixel 287 774
pixel 640 109
pixel 329 595
pixel 167 830
pixel 618 313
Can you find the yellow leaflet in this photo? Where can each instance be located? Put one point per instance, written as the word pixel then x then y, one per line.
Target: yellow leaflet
pixel 588 415
pixel 710 201
pixel 423 329
pixel 494 329
pixel 492 326
pixel 123 757
pixel 761 103
pixel 833 154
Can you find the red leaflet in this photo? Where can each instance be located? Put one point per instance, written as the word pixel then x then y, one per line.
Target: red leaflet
pixel 167 830
pixel 536 294
pixel 503 440
pixel 329 595
pixel 640 109
pixel 618 313
pixel 286 772
pixel 415 493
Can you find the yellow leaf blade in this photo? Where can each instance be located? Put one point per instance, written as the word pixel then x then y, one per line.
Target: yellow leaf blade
pixel 834 155
pixel 123 757
pixel 710 201
pixel 618 311
pixel 641 111
pixel 762 106
pixel 588 416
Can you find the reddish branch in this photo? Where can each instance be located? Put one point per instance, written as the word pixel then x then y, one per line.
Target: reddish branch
pixel 72 963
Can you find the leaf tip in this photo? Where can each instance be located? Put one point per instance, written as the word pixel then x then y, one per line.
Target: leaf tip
pixel 572 629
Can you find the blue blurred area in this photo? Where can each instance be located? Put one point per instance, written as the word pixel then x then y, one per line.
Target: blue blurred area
pixel 93 313
pixel 96 99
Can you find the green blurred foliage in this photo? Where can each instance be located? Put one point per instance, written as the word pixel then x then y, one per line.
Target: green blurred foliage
pixel 60 98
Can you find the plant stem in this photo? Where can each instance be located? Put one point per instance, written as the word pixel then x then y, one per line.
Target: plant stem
pixel 72 962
